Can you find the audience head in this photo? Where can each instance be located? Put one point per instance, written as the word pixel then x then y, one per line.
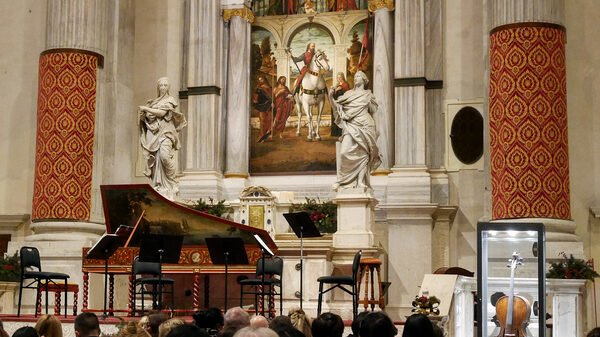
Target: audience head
pixel 356 322
pixel 86 325
pixel 165 327
pixel 187 330
pixel 154 321
pixel 418 325
pixel 49 326
pixel 3 332
pixel 327 325
pixel 129 330
pixel 300 321
pixel 594 333
pixel 259 321
pixel 25 331
pixel 236 318
pixel 211 320
pixel 255 332
pixel 377 324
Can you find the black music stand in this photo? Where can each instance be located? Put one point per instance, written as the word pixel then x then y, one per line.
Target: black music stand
pixel 104 248
pixel 225 251
pixel 303 227
pixel 162 249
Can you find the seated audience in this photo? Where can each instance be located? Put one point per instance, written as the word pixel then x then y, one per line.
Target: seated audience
pixel 255 332
pixel 154 321
pixel 282 325
pixel 418 325
pixel 377 324
pixel 165 327
pixel 235 319
pixel 3 332
pixel 594 333
pixel 49 326
pixel 327 325
pixel 259 321
pixel 87 325
pixel 211 320
pixel 187 330
pixel 129 330
pixel 300 321
pixel 356 323
pixel 25 331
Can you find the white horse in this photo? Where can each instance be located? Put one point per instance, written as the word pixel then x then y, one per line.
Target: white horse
pixel 312 94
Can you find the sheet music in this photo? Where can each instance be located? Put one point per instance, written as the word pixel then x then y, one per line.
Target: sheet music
pixel 263 245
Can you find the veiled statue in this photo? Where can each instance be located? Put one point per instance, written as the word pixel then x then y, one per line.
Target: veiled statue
pixel 358 155
pixel 160 123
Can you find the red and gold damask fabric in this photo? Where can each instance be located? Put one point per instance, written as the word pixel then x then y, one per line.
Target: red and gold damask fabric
pixel 65 136
pixel 528 122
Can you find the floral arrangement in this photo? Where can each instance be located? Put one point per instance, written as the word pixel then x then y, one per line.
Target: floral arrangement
pixel 219 209
pixel 572 268
pixel 323 214
pixel 10 268
pixel 427 305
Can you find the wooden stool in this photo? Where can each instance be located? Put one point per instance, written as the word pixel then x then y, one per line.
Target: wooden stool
pixel 59 288
pixel 370 266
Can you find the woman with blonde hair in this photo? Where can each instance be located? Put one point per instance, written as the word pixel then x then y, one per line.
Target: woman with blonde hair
pixel 165 327
pixel 300 321
pixel 49 326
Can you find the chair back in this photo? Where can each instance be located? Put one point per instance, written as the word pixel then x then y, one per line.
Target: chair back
pixel 272 266
pixel 356 264
pixel 139 267
pixel 30 257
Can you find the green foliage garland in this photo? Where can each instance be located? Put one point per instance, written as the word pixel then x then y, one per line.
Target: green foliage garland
pixel 571 268
pixel 323 214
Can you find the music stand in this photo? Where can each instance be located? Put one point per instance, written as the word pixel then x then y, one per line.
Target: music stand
pixel 162 249
pixel 303 227
pixel 225 251
pixel 104 248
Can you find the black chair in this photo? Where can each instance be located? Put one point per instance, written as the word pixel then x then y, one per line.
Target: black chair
pixel 272 273
pixel 30 259
pixel 342 282
pixel 150 284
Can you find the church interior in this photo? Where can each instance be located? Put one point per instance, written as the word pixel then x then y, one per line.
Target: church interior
pixel 434 156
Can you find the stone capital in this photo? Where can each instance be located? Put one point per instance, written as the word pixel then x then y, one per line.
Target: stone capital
pixel 243 12
pixel 375 5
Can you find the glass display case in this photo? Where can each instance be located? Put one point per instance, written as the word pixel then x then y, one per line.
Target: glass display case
pixel 511 279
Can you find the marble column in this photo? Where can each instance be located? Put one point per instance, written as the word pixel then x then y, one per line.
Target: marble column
pixel 237 147
pixel 383 65
pixel 205 134
pixel 409 180
pixel 408 207
pixel 529 158
pixel 69 68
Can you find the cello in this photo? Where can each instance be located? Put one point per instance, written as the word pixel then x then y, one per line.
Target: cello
pixel 513 311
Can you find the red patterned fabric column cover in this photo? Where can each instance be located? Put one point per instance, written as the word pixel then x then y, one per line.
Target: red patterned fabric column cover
pixel 65 135
pixel 528 122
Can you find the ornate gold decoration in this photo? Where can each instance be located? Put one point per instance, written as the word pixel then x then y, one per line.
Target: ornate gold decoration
pixel 244 13
pixel 375 5
pixel 256 216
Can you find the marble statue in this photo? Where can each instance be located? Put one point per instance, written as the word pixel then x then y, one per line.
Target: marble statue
pixel 358 153
pixel 159 125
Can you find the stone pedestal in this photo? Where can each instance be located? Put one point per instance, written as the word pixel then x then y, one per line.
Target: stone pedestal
pixel 7 296
pixel 567 306
pixel 355 213
pixel 203 184
pixel 409 249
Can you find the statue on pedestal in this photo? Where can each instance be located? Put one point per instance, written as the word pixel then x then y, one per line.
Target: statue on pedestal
pixel 160 124
pixel 358 155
